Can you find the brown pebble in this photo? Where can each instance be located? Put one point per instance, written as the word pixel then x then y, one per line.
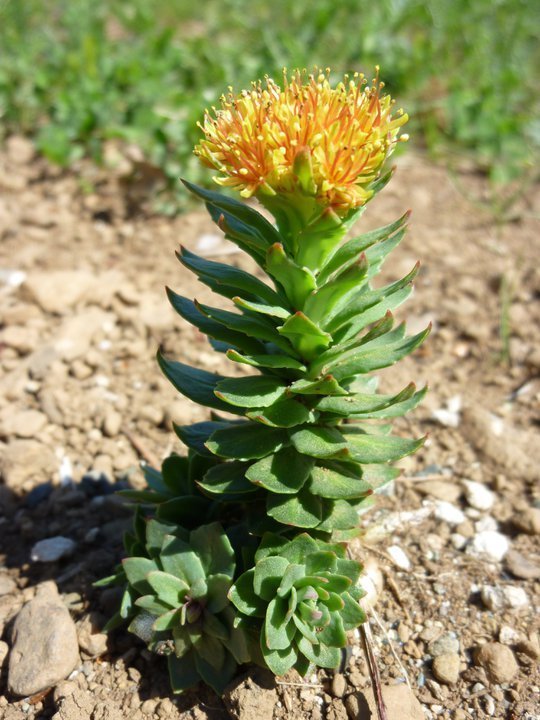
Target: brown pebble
pixel 446 668
pixel 339 685
pixel 522 567
pixel 528 521
pixel 530 648
pixel 498 661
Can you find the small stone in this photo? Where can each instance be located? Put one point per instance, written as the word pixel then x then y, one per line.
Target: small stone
pixel 528 521
pixel 53 549
pixel 112 423
pixel 103 465
pixel 531 648
pixel 447 491
pixel 489 545
pixel 508 636
pixel 498 661
pixel 21 339
pixel 399 557
pixel 4 651
pixel 148 706
pixel 23 424
pixel 58 291
pixel 458 541
pixel 25 460
pixel 91 640
pixel 339 685
pixel 448 513
pixel 400 701
pixel 7 585
pixel 515 597
pixel 44 644
pixel 446 644
pixel 485 524
pixel 497 598
pixel 20 150
pixel 521 567
pixel 152 414
pixel 478 495
pixel 446 668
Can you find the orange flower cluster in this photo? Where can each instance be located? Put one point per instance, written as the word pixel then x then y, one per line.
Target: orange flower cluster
pixel 266 140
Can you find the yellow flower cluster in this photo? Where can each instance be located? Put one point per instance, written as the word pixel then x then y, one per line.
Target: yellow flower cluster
pixel 341 135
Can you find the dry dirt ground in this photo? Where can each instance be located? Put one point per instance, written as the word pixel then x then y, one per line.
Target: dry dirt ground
pixel 82 312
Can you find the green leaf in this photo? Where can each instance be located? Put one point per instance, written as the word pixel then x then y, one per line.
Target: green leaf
pixel 327 385
pixel 229 277
pixel 298 549
pixel 218 679
pixel 279 661
pixel 374 356
pixel 279 629
pixel 187 510
pixel 348 253
pixel 368 299
pixel 319 442
pixel 379 475
pixel 137 569
pixel 328 299
pixel 276 311
pixel 336 583
pixel 175 473
pixel 179 560
pixel 284 413
pixel 268 574
pixel 305 336
pixel 298 282
pixel 153 605
pixel 352 614
pixel 168 588
pixel 183 672
pixel 330 484
pixel 195 436
pixel 218 587
pixel 246 441
pixel 342 516
pixel 320 655
pixel 182 640
pixel 243 597
pixel 190 312
pixel 213 548
pixel 271 544
pixel 252 392
pixel 292 574
pixel 363 403
pixel 197 385
pixel 267 361
pixel 320 561
pixel 333 634
pixel 349 568
pixel 301 510
pixel 228 479
pixel 283 472
pixel 167 621
pixel 240 211
pixel 214 627
pixel 379 448
pixel 255 327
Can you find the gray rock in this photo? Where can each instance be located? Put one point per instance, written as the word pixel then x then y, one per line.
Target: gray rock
pixel 44 648
pixel 53 549
pixel 498 661
pixel 446 668
pixel 444 645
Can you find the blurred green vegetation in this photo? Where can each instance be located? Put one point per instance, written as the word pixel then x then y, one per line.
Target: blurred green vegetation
pixel 75 73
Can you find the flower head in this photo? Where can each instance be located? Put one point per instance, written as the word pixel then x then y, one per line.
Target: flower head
pixel 308 137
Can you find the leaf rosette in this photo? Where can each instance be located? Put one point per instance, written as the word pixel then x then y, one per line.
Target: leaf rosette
pixel 176 599
pixel 304 594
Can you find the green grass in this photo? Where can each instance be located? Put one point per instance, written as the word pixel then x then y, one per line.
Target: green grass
pixel 75 73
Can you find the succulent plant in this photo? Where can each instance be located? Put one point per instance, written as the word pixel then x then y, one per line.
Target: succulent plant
pixel 176 601
pixel 304 594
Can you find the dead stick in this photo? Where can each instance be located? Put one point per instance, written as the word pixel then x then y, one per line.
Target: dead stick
pixel 365 636
pixel 146 454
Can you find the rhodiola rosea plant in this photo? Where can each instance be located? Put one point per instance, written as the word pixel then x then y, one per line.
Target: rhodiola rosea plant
pixel 239 549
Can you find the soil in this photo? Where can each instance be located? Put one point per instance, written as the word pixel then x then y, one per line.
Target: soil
pixel 82 402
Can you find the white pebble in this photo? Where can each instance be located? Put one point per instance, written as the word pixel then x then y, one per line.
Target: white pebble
pixel 458 540
pixel 52 549
pixel 508 635
pixel 489 545
pixel 399 557
pixel 515 597
pixel 478 495
pixel 449 513
pixel 486 524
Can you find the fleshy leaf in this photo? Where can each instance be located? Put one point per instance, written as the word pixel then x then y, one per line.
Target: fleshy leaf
pixel 267 577
pixel 251 392
pixel 243 596
pixel 283 472
pixel 300 510
pixel 246 441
